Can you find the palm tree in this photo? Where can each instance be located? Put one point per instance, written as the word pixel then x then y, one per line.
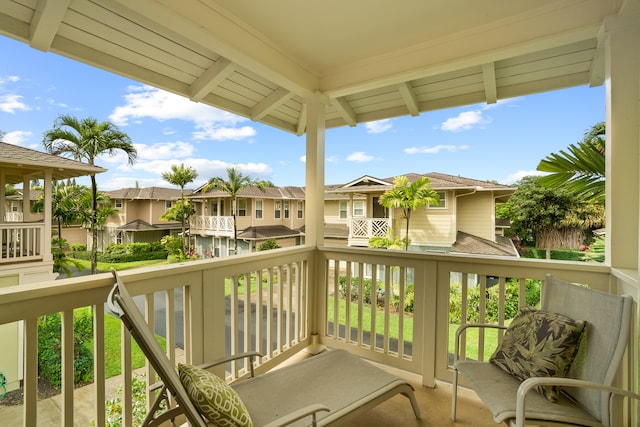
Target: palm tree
pixel 65 201
pixel 181 176
pixel 85 140
pixel 409 197
pixel 581 170
pixel 234 184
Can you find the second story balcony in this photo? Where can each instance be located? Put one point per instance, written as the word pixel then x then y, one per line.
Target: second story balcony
pixel 362 229
pixel 220 226
pixel 21 242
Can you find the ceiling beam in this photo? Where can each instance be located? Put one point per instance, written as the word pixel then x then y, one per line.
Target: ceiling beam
pixel 346 112
pixel 409 98
pixel 270 103
pixel 489 78
pixel 46 21
pixel 302 121
pixel 211 78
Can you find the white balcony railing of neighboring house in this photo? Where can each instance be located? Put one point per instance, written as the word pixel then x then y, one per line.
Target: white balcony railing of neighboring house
pixel 212 225
pixel 357 300
pixel 13 216
pixel 362 229
pixel 21 242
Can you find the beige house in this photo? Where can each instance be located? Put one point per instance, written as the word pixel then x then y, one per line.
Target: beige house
pixel 275 213
pixel 464 221
pixel 25 238
pixel 138 215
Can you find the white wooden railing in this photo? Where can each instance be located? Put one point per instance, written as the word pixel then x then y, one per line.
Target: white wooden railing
pixel 13 216
pixel 295 304
pixel 21 242
pixel 212 225
pixel 362 229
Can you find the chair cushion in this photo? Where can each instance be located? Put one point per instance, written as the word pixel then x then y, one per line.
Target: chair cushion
pixel 539 344
pixel 213 397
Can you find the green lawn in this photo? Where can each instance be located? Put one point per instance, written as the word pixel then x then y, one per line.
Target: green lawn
pixel 105 266
pixel 491 335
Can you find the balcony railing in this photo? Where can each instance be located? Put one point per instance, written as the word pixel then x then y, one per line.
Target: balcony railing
pixel 21 242
pixel 212 225
pixel 388 306
pixel 13 216
pixel 362 229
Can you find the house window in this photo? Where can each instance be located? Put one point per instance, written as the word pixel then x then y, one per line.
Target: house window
pixel 300 210
pixel 242 207
pixel 286 209
pixel 214 208
pixel 443 201
pixel 358 208
pixel 118 204
pixel 15 207
pixel 277 211
pixel 258 209
pixel 343 209
pixel 119 238
pixel 167 205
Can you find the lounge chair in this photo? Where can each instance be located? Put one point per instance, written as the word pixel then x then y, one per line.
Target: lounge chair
pixel 327 389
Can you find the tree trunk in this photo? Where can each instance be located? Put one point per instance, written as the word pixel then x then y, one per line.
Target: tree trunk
pixel 94 225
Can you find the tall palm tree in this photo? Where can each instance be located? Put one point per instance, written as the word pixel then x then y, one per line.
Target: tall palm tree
pixel 181 176
pixel 232 186
pixel 86 140
pixel 65 198
pixel 580 169
pixel 409 197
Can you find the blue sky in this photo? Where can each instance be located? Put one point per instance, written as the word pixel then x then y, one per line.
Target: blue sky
pixel 500 142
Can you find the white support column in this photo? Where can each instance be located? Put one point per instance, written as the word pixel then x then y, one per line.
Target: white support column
pixel 3 195
pixel 48 217
pixel 26 200
pixel 314 199
pixel 622 68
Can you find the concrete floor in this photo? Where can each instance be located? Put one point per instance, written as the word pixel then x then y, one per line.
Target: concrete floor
pixel 434 403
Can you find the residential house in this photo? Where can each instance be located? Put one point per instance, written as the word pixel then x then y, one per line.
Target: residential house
pixel 275 213
pixel 464 220
pixel 25 237
pixel 137 216
pixel 354 62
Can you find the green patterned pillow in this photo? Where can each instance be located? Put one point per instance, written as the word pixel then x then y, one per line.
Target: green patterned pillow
pixel 539 344
pixel 213 397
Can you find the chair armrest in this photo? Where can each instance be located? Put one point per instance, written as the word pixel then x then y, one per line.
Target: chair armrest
pixel 527 385
pixel 298 415
pixel 251 355
pixel 462 328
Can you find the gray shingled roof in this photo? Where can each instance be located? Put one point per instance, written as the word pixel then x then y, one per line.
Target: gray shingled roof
pixel 267 232
pixel 470 244
pixel 140 225
pixel 147 193
pixel 18 162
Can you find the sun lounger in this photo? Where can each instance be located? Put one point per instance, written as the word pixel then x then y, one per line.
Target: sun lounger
pixel 328 389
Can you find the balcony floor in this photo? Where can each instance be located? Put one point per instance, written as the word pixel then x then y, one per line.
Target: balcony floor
pixel 435 406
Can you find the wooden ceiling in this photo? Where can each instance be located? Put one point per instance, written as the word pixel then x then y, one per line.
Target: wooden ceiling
pixel 370 59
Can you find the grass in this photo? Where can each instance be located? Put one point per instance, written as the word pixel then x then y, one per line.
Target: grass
pixel 490 339
pixel 105 266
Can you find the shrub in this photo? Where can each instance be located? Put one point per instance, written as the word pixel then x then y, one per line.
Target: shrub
pixel 49 347
pixel 268 244
pixel 75 247
pixel 113 407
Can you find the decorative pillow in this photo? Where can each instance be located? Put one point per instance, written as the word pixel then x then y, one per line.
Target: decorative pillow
pixel 539 344
pixel 213 397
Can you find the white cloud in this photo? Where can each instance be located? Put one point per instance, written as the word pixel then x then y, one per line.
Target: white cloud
pixel 9 79
pixel 517 176
pixel 12 103
pixel 18 137
pixel 379 126
pixel 212 123
pixel 359 156
pixel 333 159
pixel 222 133
pixel 303 159
pixel 164 150
pixel 465 121
pixel 435 149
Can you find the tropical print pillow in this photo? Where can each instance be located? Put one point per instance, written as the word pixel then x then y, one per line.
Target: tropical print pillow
pixel 539 344
pixel 213 397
